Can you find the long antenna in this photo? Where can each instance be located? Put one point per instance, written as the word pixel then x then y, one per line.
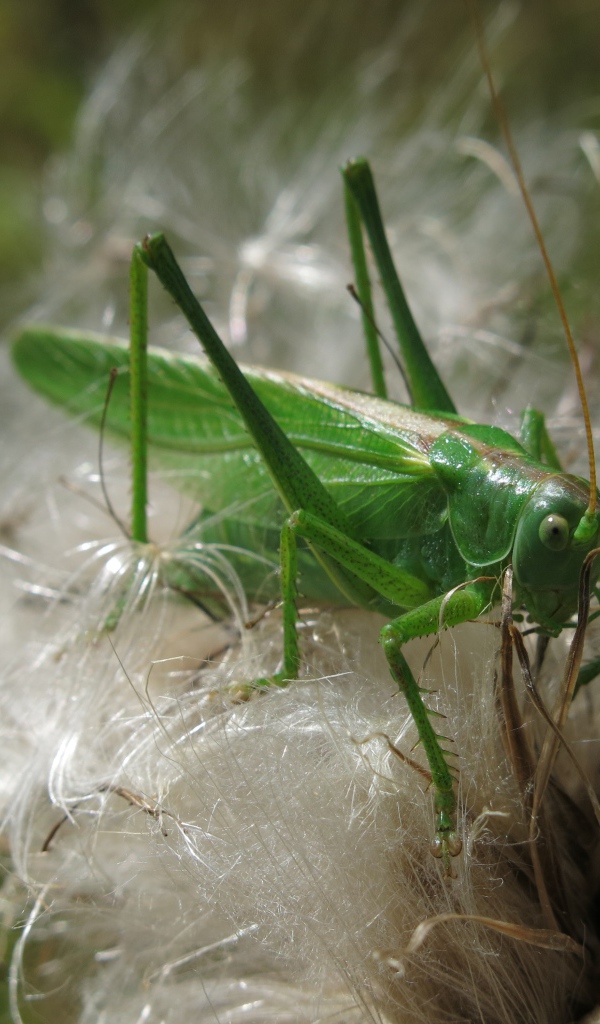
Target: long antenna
pixel 584 531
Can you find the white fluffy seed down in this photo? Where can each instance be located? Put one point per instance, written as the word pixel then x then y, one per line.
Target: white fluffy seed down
pixel 173 855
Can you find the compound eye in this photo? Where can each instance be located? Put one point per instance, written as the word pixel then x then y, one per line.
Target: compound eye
pixel 554 532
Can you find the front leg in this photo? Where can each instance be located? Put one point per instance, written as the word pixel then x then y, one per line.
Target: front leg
pixel 460 606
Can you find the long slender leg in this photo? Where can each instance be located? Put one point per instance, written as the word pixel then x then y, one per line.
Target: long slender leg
pixel 460 606
pixel 363 286
pixel 426 386
pixel 293 478
pixel 291 650
pixel 138 373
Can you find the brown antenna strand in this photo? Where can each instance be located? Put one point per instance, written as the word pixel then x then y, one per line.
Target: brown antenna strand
pixel 516 164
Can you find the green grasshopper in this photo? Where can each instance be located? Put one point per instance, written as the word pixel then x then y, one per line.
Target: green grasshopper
pixel 410 511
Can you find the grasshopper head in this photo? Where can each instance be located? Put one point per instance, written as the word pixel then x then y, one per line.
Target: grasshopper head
pixel 552 539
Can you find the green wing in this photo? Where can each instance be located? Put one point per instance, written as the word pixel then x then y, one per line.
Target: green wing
pixel 371 454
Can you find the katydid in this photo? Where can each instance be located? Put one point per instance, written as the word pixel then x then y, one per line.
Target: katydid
pixel 410 511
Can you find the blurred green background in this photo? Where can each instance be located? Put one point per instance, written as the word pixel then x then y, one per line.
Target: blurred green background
pixel 51 50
